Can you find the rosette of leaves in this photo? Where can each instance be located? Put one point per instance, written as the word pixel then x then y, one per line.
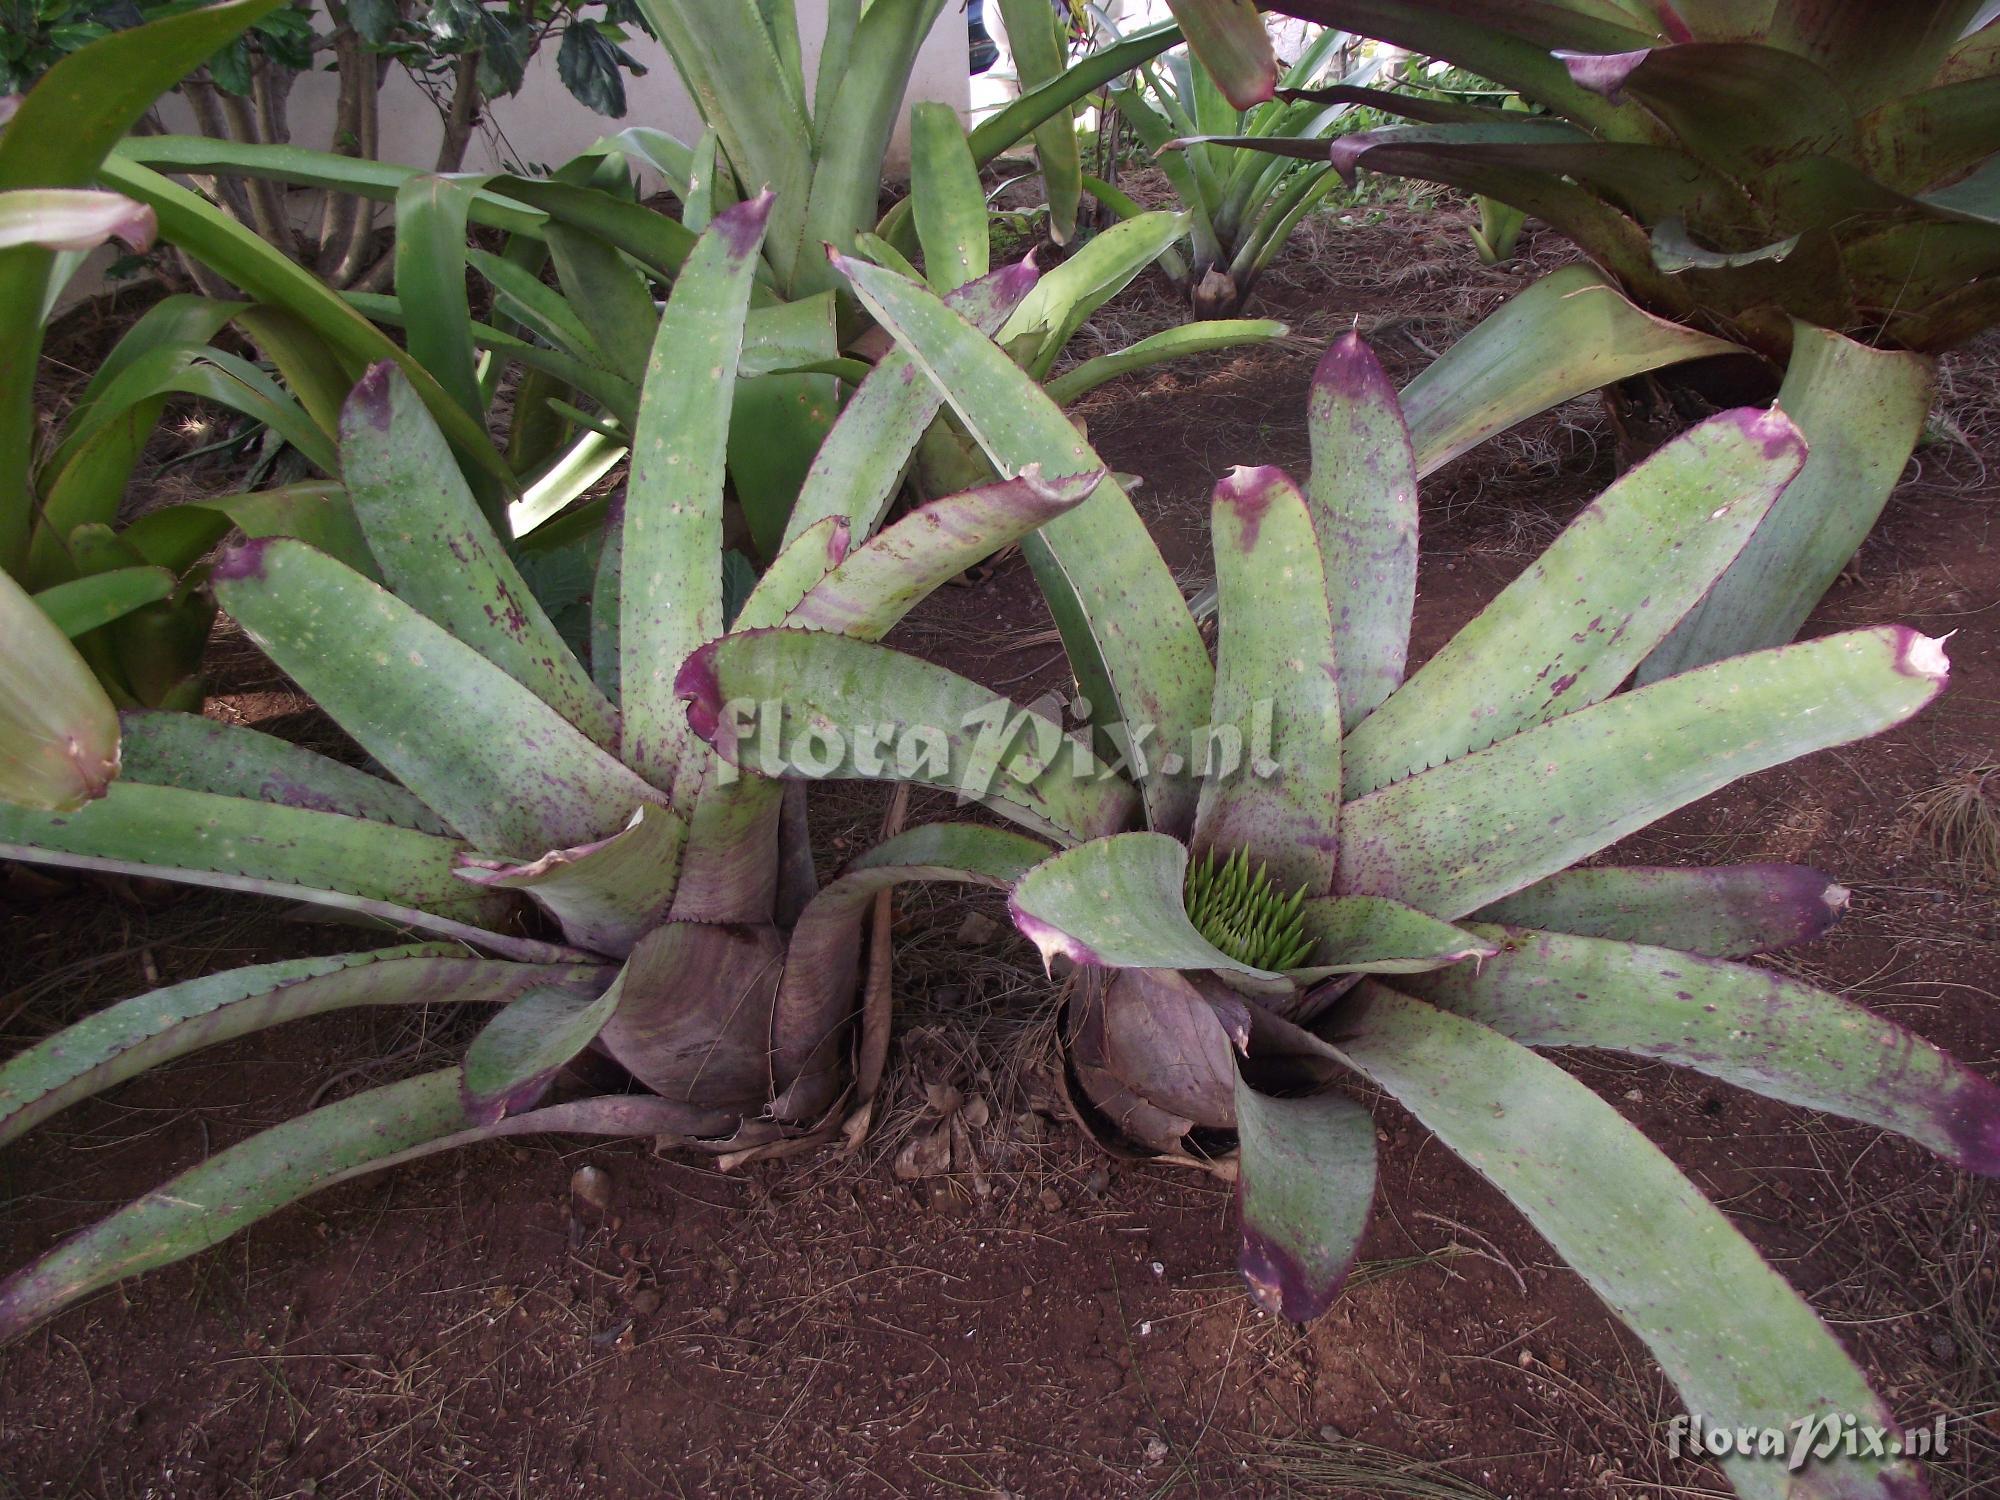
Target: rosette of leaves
pixel 1383 888
pixel 1241 210
pixel 1817 184
pixel 572 860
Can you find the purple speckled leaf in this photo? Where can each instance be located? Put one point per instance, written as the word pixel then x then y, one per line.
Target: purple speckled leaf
pixel 439 555
pixel 1277 688
pixel 1305 1183
pixel 1758 1030
pixel 1743 1348
pixel 1731 911
pixel 493 760
pixel 1362 492
pixel 1573 625
pixel 165 748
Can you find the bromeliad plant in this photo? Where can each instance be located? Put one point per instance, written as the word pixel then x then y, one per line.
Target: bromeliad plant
pixel 1814 183
pixel 1241 210
pixel 1299 871
pixel 578 863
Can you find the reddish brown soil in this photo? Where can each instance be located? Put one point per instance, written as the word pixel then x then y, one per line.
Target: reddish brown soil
pixel 1054 1323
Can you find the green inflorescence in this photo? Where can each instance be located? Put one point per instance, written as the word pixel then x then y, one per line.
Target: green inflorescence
pixel 1243 914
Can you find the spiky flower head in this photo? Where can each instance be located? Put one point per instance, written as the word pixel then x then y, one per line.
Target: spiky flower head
pixel 1244 915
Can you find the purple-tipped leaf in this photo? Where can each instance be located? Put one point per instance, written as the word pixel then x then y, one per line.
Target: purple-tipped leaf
pixel 1573 625
pixel 1465 834
pixel 1229 38
pixel 518 1053
pixel 1603 72
pixel 1305 1183
pixel 1731 911
pixel 1743 1348
pixel 123 1040
pixel 1276 712
pixel 671 599
pixel 1363 495
pixel 876 584
pixel 1753 1028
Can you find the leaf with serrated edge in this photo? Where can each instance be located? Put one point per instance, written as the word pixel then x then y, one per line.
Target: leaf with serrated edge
pixel 1743 1348
pixel 1761 1031
pixel 489 757
pixel 1461 836
pixel 1571 628
pixel 123 1040
pixel 1274 663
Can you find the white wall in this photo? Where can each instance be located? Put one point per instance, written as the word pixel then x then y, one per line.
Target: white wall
pixel 543 126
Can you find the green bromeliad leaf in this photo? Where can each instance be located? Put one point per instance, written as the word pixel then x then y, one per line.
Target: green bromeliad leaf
pixel 58 730
pixel 438 555
pixel 1363 494
pixel 1761 1031
pixel 1572 627
pixel 1370 935
pixel 1464 834
pixel 1305 1183
pixel 1275 661
pixel 1118 903
pixel 1097 564
pixel 947 198
pixel 671 599
pixel 123 1040
pixel 811 705
pixel 493 760
pixel 1731 911
pixel 605 895
pixel 1713 1312
pixel 518 1053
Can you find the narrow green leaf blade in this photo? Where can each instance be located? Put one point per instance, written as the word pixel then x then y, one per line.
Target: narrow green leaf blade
pixel 85 604
pixel 671 599
pixel 1570 629
pixel 1465 834
pixel 1371 935
pixel 1276 679
pixel 1759 1030
pixel 234 1188
pixel 430 282
pixel 947 198
pixel 164 748
pixel 1203 337
pixel 1035 36
pixel 1743 1348
pixel 1304 1186
pixel 493 760
pixel 1570 333
pixel 1861 411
